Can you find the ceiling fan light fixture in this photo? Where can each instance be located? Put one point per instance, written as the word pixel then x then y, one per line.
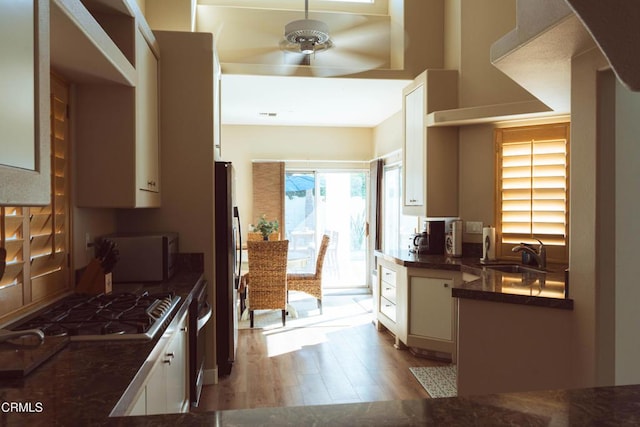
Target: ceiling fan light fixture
pixel 307 36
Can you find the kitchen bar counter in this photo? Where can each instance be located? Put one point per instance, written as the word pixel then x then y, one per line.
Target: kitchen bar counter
pixel 593 406
pixel 614 406
pixel 544 290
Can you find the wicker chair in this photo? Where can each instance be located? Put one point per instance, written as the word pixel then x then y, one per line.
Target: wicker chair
pixel 267 277
pixel 255 236
pixel 307 282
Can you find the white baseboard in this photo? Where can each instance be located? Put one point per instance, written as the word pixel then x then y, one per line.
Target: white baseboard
pixel 210 376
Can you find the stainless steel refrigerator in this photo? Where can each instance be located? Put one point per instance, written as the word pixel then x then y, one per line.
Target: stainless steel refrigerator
pixel 227 265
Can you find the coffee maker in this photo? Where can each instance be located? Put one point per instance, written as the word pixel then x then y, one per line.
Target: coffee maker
pixel 431 240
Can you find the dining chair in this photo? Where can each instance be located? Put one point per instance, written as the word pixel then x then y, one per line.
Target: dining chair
pixel 255 236
pixel 267 277
pixel 310 283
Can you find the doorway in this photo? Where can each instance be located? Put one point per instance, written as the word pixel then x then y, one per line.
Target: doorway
pixel 332 202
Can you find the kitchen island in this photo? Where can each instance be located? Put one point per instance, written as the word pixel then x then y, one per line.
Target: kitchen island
pixel 509 330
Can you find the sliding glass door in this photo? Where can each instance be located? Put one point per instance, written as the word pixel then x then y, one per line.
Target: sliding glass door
pixel 333 203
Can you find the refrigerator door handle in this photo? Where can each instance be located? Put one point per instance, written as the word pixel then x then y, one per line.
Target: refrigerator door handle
pixel 236 215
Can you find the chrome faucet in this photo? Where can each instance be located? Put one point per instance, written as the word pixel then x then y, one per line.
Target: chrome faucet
pixel 539 255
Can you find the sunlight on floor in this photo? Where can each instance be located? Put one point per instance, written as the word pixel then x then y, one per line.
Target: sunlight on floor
pixel 338 313
pixel 281 341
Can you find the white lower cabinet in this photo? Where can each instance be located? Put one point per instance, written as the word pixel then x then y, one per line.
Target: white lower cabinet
pixel 431 308
pixel 415 304
pixel 175 368
pixel 155 390
pixel 165 389
pixel 432 312
pixel 392 299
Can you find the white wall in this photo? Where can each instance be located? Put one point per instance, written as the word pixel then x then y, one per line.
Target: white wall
pixel 387 136
pixel 583 239
pixel 243 144
pixel 627 235
pixel 476 177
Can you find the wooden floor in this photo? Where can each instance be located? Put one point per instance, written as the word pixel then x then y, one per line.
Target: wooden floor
pixel 315 366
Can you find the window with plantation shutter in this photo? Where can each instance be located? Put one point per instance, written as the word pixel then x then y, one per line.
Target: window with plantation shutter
pixel 533 188
pixel 37 238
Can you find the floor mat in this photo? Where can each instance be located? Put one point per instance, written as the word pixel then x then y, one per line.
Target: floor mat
pixel 438 381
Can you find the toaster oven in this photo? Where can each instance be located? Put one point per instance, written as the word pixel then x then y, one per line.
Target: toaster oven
pixel 144 257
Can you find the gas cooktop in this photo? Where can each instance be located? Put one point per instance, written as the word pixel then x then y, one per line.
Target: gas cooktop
pixel 104 317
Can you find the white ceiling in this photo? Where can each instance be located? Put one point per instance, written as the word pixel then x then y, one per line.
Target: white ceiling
pixel 260 86
pixel 309 101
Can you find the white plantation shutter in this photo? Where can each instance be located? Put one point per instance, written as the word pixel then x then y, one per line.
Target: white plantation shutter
pixel 12 239
pixel 49 225
pixel 533 187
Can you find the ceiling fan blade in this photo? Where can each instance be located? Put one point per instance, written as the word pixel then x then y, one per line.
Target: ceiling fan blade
pixel 373 37
pixel 344 62
pixel 258 55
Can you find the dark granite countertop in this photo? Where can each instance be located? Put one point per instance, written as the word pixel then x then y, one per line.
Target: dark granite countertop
pixel 534 289
pixel 82 383
pixel 613 406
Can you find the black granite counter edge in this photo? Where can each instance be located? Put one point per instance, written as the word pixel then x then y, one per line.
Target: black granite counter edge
pixel 587 406
pixel 471 290
pixel 476 294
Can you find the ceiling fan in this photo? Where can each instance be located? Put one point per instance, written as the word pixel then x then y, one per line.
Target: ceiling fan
pixel 306 36
pixel 339 44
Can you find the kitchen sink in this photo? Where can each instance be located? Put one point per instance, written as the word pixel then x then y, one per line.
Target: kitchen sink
pixel 514 268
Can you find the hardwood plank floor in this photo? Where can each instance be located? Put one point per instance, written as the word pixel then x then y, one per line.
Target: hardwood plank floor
pixel 314 366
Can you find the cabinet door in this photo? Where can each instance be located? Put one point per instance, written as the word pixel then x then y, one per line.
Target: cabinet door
pixel 25 169
pixel 431 308
pixel 414 148
pixel 117 139
pixel 176 371
pixel 156 393
pixel 147 150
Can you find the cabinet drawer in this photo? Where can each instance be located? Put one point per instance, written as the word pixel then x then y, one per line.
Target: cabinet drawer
pixel 388 308
pixel 388 291
pixel 388 276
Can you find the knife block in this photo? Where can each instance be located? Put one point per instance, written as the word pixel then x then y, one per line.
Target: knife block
pixel 94 280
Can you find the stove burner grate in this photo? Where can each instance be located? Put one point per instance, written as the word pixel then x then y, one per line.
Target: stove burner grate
pixel 103 316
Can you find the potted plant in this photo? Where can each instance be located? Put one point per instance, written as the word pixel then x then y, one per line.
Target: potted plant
pixel 266 228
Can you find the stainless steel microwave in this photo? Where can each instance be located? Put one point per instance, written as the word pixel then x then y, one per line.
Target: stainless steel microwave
pixel 144 257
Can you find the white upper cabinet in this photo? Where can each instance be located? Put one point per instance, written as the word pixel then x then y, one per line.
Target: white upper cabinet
pixel 414 147
pixel 430 154
pixel 117 123
pixel 25 165
pixel 147 140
